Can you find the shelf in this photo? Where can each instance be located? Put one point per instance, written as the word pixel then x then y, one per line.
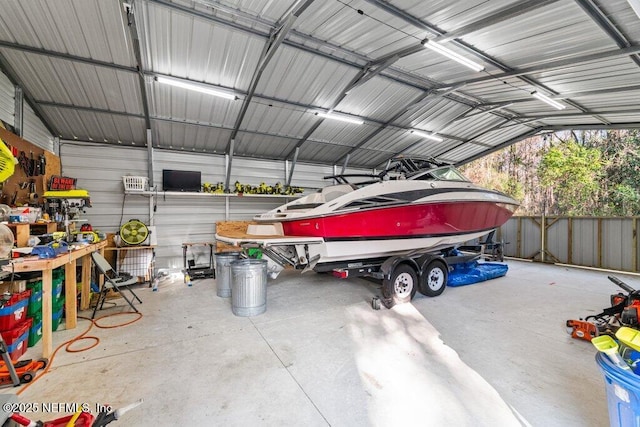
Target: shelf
pixel 203 194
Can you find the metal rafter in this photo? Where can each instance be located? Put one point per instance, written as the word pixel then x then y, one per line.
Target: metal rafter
pixel 599 17
pixel 8 70
pixel 276 38
pixel 387 60
pixel 502 145
pixel 418 102
pixel 384 5
pixel 135 41
pixel 68 57
pixel 632 50
pixel 437 32
pixel 511 11
pixel 365 74
pixel 551 65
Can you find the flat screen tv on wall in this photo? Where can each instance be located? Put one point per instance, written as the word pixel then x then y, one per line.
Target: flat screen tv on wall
pixel 175 180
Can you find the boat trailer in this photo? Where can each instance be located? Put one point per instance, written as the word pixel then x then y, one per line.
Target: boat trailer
pixel 401 275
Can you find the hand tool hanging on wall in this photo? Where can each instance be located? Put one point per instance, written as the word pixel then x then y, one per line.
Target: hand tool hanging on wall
pixel 32 164
pixel 33 195
pixel 43 164
pixel 24 162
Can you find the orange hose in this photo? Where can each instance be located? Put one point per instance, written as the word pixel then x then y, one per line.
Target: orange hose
pixel 82 336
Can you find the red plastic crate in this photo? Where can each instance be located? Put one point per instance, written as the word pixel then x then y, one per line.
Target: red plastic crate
pixel 17 339
pixel 14 311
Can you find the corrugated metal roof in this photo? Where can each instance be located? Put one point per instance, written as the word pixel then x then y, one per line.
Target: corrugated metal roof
pixel 77 62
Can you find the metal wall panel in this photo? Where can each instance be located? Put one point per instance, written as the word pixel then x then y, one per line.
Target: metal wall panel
pixel 7 99
pixel 508 233
pixel 99 169
pixel 556 239
pixel 617 242
pixel 32 128
pixel 177 218
pixel 211 167
pixel 585 242
pixel 614 235
pixel 34 131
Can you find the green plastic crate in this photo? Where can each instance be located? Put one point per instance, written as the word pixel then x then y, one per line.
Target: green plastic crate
pixel 35 332
pixel 58 274
pixel 55 319
pixel 57 313
pixel 35 304
pixel 57 292
pixel 35 286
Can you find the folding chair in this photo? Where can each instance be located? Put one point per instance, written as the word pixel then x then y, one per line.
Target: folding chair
pixel 112 281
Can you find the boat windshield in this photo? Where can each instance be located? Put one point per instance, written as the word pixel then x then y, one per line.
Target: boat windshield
pixel 447 173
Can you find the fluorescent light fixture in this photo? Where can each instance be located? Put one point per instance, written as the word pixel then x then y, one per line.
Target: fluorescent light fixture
pixel 430 136
pixel 437 47
pixel 545 98
pixel 341 118
pixel 195 87
pixel 635 5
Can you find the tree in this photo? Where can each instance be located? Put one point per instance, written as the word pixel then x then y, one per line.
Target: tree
pixel 572 172
pixel 622 183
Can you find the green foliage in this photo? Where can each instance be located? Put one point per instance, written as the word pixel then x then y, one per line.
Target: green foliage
pixel 624 200
pixel 573 171
pixel 569 173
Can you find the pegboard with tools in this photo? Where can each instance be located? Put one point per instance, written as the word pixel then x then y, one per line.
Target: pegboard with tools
pixel 32 172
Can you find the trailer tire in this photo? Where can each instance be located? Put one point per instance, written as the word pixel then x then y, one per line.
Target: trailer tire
pixel 401 286
pixel 433 279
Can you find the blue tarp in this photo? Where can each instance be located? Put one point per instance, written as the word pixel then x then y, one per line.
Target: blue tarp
pixel 472 272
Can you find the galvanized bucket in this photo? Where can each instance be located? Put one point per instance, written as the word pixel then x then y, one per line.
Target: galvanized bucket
pixel 223 272
pixel 249 287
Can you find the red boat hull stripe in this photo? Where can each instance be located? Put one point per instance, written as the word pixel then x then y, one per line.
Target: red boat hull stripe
pixel 408 221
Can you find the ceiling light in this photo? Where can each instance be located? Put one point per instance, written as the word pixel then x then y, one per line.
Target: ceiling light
pixel 341 118
pixel 545 98
pixel 437 47
pixel 195 87
pixel 430 136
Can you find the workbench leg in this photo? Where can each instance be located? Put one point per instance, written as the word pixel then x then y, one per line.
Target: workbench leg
pixel 70 295
pixel 85 295
pixel 47 310
pixel 100 278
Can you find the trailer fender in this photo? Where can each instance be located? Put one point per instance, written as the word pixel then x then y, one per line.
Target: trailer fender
pixel 426 259
pixel 391 263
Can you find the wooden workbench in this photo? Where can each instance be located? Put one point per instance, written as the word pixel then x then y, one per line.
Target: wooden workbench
pixel 46 266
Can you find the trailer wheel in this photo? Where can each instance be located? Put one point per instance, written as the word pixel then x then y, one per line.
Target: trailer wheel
pixel 433 279
pixel 401 286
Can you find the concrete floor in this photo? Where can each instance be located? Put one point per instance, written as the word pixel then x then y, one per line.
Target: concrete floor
pixel 489 354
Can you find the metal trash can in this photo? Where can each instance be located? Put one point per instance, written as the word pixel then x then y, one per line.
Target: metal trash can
pixel 249 287
pixel 223 272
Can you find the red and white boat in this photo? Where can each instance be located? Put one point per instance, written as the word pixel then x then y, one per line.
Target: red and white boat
pixel 414 204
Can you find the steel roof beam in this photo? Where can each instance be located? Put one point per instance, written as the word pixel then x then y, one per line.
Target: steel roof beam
pixel 66 56
pixel 370 64
pixel 579 114
pixel 511 11
pixel 277 36
pixel 502 145
pixel 11 74
pixel 598 16
pixel 613 126
pixel 552 65
pixel 393 10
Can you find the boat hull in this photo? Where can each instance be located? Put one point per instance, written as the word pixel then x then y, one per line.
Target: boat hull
pixel 348 250
pixel 451 220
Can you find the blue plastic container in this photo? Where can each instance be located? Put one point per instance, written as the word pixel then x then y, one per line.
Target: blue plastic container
pixel 623 393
